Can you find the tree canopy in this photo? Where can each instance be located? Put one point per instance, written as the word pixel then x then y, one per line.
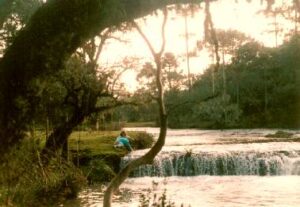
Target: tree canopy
pixel 52 34
pixel 262 91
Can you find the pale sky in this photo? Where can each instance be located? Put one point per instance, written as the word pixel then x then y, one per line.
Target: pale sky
pixel 226 14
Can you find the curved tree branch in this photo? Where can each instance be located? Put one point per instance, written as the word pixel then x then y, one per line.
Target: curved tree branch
pixel 53 33
pixel 147 41
pixel 163 33
pixel 150 155
pixel 104 37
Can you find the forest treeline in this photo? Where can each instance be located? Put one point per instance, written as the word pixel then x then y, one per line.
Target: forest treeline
pixel 51 81
pixel 260 87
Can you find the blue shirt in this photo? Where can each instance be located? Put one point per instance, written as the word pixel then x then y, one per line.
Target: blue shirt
pixel 123 140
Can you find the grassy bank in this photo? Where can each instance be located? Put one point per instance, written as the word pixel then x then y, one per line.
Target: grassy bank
pixel 26 181
pixel 93 152
pixel 101 142
pixel 94 142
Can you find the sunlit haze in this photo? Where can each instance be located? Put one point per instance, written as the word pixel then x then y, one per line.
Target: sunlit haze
pixel 242 16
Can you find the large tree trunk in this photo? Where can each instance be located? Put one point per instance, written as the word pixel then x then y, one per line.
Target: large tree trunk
pixel 54 32
pixel 59 137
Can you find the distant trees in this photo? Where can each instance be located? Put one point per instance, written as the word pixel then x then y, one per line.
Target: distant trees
pixel 285 10
pixel 260 83
pixel 229 41
pixel 262 91
pixel 173 78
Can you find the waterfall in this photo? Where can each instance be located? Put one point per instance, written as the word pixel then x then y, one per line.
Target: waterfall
pixel 225 163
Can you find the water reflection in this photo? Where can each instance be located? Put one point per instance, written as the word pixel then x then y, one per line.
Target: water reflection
pixel 208 191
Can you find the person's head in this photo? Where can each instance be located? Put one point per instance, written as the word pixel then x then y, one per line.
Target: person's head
pixel 123 134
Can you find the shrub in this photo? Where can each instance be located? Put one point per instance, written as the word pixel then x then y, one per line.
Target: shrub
pixel 26 182
pixel 99 171
pixel 141 140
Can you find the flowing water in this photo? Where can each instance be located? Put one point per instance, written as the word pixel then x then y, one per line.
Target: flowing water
pixel 214 168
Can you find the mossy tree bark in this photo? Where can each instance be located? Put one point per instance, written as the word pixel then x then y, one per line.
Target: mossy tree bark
pixel 150 155
pixel 59 137
pixel 53 33
pixel 83 91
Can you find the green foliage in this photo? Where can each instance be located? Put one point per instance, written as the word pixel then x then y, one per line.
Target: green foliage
pixel 99 143
pixel 96 142
pixel 140 124
pixel 14 14
pixel 141 140
pixel 98 171
pixel 262 90
pixel 72 91
pixel 94 153
pixel 218 112
pixel 26 182
pixel 141 113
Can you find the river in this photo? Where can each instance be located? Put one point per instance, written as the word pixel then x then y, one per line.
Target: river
pixel 212 168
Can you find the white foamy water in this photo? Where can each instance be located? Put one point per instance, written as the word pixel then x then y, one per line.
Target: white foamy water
pixel 222 152
pixel 240 147
pixel 222 148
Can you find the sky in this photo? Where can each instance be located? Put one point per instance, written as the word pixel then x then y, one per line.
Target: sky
pixel 226 14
